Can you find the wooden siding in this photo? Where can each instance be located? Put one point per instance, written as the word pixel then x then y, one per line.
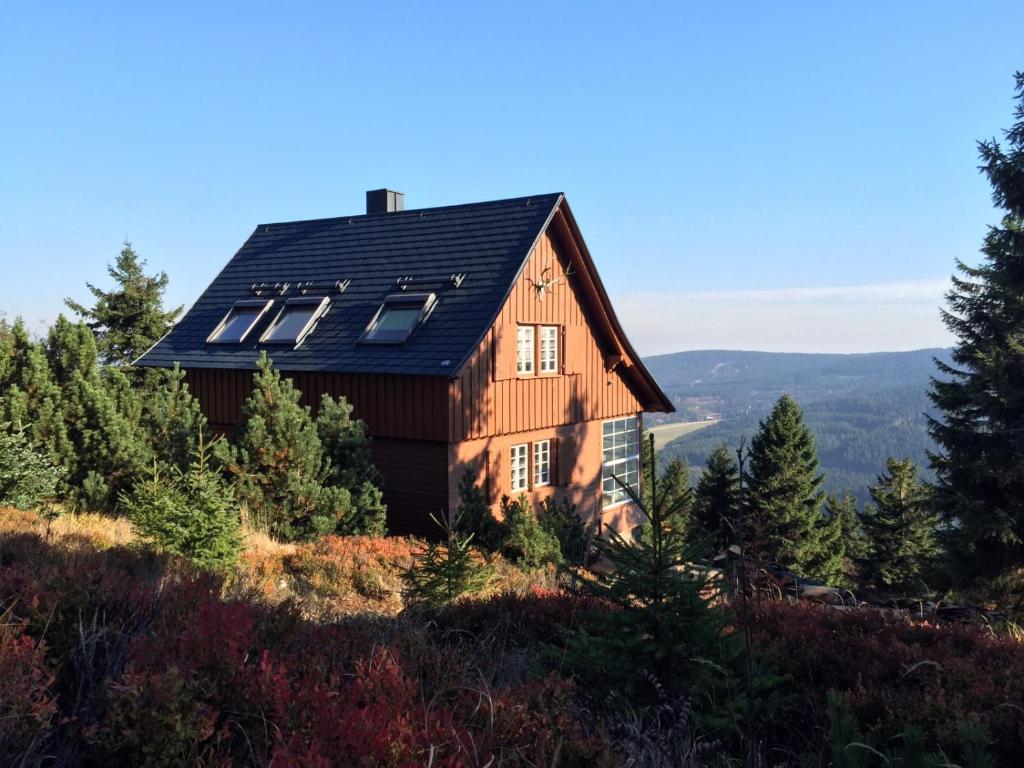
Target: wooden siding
pixel 409 407
pixel 415 483
pixel 483 404
pixel 576 472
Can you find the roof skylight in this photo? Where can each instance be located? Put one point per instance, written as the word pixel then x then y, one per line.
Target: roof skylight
pixel 295 320
pixel 238 322
pixel 398 317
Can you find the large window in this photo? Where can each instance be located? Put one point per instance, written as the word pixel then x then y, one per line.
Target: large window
pixel 549 349
pixel 238 322
pixel 525 350
pixel 542 463
pixel 620 458
pixel 295 320
pixel 519 461
pixel 398 317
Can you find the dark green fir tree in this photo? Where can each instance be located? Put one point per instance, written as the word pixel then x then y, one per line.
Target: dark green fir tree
pixel 979 464
pixel 667 625
pixel 785 493
pixel 192 514
pixel 716 499
pixel 129 318
pixel 445 570
pixel 900 525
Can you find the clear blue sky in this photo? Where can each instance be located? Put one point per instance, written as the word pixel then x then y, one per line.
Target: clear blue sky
pixel 791 175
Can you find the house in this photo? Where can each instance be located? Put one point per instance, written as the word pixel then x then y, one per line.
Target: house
pixel 468 335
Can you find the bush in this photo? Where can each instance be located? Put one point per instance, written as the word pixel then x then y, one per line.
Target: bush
pixel 898 673
pixel 575 538
pixel 27 705
pixel 192 515
pixel 524 540
pixel 26 477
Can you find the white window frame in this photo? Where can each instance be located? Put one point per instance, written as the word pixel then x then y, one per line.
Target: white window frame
pixel 519 467
pixel 549 348
pixel 619 459
pixel 541 463
pixel 526 350
pixel 319 307
pixel 261 305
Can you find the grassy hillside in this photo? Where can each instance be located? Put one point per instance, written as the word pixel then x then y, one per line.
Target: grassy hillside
pixel 861 407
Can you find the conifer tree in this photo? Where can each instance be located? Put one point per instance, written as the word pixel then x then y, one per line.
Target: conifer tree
pixel 191 514
pixel 716 499
pixel 474 513
pixel 842 517
pixel 278 460
pixel 131 317
pixel 172 420
pixel 445 570
pixel 348 464
pixel 674 483
pixel 666 624
pixel 980 462
pixel 26 476
pixel 785 491
pixel 901 529
pixel 287 479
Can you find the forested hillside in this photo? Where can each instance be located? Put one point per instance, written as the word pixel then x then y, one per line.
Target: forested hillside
pixel 862 408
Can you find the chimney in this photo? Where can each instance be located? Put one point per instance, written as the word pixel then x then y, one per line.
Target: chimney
pixel 384 201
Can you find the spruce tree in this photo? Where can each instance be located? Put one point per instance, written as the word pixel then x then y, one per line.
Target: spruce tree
pixel 131 317
pixel 716 499
pixel 666 623
pixel 785 492
pixel 901 529
pixel 444 571
pixel 27 477
pixel 979 464
pixel 191 514
pixel 841 514
pixel 674 483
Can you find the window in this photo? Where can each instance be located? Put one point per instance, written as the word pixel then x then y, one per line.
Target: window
pixel 549 349
pixel 398 317
pixel 620 458
pixel 238 322
pixel 542 463
pixel 295 320
pixel 519 458
pixel 524 350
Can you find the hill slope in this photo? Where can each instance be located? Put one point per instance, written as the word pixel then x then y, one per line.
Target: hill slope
pixel 861 407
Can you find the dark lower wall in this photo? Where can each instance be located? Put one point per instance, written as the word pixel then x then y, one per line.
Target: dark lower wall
pixel 415 483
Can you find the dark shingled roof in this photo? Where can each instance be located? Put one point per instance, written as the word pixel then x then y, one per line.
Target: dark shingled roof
pixel 488 242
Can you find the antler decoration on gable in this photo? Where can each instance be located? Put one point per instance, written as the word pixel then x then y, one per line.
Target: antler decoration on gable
pixel 547 283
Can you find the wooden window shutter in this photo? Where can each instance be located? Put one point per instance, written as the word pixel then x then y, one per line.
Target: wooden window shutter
pixel 574 349
pixel 492 457
pixel 553 459
pixel 566 460
pixel 504 352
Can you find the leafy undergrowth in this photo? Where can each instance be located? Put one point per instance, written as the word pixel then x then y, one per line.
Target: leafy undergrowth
pixel 111 654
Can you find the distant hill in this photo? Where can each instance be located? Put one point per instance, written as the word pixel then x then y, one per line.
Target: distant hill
pixel 862 407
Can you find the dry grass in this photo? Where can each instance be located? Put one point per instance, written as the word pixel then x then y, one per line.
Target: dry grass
pixel 328 579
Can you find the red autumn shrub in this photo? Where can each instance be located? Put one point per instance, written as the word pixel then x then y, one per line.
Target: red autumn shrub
pixel 536 617
pixel 899 672
pixel 27 704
